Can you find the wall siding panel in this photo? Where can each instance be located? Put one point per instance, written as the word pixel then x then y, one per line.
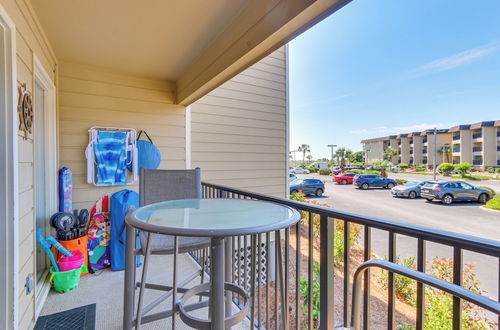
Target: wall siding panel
pixel 90 96
pixel 238 131
pixel 30 40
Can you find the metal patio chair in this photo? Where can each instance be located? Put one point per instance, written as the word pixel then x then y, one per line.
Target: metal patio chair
pixel 159 186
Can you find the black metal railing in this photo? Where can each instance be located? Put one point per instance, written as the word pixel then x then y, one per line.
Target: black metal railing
pixel 456 137
pixel 256 261
pixel 475 149
pixel 498 133
pixel 477 162
pixel 477 135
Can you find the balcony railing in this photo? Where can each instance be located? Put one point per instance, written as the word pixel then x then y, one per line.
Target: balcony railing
pixel 316 231
pixel 498 133
pixel 476 149
pixel 424 151
pixel 411 142
pixel 424 140
pixel 455 162
pixel 477 135
pixel 477 162
pixel 498 148
pixel 456 137
pixel 456 149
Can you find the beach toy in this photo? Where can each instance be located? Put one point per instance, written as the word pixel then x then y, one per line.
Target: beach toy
pixel 69 263
pixel 66 281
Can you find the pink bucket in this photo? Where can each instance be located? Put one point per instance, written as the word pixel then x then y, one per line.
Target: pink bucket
pixel 69 263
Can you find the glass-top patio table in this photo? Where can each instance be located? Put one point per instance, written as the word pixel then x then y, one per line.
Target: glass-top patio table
pixel 215 218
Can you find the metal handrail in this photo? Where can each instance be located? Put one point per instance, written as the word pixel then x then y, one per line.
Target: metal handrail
pixel 453 289
pixel 467 242
pixel 327 218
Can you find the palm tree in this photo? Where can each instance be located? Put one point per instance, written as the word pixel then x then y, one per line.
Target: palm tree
pixel 445 151
pixel 305 148
pixel 342 153
pixel 389 153
pixel 309 157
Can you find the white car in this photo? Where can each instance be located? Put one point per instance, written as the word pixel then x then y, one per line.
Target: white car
pixel 299 170
pixel 292 177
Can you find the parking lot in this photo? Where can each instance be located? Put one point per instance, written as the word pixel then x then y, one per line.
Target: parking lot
pixel 465 218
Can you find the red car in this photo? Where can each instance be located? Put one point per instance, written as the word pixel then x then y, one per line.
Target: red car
pixel 344 178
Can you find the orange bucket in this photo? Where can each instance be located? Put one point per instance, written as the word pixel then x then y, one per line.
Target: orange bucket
pixel 79 244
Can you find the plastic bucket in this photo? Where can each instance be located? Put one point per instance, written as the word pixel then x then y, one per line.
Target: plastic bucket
pixel 77 244
pixel 69 263
pixel 66 281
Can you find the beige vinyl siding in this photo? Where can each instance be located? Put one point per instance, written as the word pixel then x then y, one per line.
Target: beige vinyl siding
pixel 90 96
pixel 30 41
pixel 238 131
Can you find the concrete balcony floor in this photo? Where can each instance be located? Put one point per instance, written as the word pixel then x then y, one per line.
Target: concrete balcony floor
pixel 105 289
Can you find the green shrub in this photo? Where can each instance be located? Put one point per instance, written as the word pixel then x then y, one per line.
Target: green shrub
pixel 404 166
pixel 493 192
pixel 439 306
pixel 325 171
pixel 464 168
pixel 491 170
pixel 304 290
pixel 494 203
pixel 404 287
pixel 420 167
pixel 446 168
pixel 401 181
pixel 354 171
pixel 298 196
pixel 371 172
pixel 312 169
pixel 497 170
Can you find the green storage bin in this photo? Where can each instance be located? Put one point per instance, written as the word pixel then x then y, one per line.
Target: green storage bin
pixel 66 281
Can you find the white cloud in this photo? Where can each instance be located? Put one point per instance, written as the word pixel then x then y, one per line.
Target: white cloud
pixel 457 60
pixel 398 130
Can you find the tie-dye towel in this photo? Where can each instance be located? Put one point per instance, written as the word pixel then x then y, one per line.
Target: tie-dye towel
pixel 111 156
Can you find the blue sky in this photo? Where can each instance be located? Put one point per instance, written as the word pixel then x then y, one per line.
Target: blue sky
pixel 382 67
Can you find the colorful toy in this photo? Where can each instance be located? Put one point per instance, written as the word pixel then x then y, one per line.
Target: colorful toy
pixel 66 281
pixel 65 190
pixel 69 263
pixel 98 235
pixel 47 243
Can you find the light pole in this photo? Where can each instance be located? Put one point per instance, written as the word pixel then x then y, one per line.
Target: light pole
pixel 331 146
pixel 434 157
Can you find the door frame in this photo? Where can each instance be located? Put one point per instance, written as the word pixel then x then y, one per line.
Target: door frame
pixel 9 199
pixel 41 77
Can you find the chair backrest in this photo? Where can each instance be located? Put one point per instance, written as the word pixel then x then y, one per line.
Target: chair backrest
pixel 165 185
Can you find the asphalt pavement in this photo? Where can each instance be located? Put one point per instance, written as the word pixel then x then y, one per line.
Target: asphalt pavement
pixel 465 218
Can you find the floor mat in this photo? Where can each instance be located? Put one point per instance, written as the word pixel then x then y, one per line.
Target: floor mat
pixel 81 318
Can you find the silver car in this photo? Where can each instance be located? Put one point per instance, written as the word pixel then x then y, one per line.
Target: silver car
pixel 411 189
pixel 449 191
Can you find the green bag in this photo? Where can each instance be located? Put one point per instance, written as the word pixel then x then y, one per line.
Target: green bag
pixel 66 281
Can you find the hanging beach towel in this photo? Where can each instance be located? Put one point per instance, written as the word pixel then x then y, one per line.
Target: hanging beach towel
pixel 111 156
pixel 99 235
pixel 149 156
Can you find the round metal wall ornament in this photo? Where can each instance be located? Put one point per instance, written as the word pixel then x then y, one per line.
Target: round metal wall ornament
pixel 25 110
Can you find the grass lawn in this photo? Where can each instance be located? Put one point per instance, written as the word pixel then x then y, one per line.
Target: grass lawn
pixel 494 203
pixel 475 177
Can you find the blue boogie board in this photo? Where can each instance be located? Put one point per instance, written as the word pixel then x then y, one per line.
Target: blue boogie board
pixel 120 202
pixel 65 190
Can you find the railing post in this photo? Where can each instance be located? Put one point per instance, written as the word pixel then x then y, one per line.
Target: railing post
pixel 457 279
pixel 326 273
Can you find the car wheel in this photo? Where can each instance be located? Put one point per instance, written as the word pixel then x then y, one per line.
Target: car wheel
pixel 447 199
pixel 365 186
pixel 483 198
pixel 412 195
pixel 294 191
pixel 319 192
pixel 390 185
pixel 344 181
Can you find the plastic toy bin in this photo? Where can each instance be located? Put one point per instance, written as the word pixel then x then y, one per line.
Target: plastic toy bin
pixel 69 263
pixel 66 281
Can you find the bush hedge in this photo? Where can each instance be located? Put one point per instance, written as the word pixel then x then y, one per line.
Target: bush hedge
pixel 494 203
pixel 325 171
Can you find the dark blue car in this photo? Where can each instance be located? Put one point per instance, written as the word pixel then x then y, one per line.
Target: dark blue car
pixel 365 181
pixel 307 186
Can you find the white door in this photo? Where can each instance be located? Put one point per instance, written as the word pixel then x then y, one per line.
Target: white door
pixel 41 209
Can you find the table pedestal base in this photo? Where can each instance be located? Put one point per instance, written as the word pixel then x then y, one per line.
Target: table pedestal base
pixel 199 323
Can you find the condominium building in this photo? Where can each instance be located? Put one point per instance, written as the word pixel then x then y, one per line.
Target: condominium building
pixel 477 144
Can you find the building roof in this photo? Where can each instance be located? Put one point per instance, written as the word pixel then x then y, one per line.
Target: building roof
pixel 379 139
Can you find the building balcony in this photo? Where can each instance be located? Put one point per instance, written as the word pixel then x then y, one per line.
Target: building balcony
pixel 424 151
pixel 456 137
pixel 306 256
pixel 477 136
pixel 456 149
pixel 477 149
pixel 477 162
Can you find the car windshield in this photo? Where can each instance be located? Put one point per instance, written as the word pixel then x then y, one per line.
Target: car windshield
pixel 296 181
pixel 411 183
